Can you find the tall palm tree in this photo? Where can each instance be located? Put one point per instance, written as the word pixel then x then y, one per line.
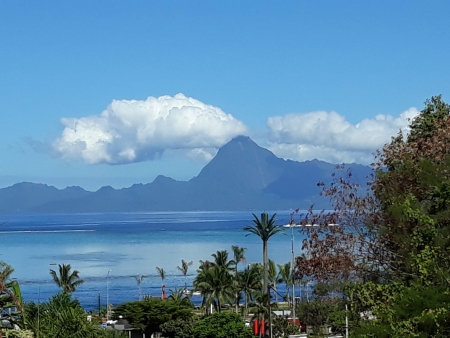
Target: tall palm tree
pixel 161 273
pixel 66 279
pixel 238 253
pixel 139 279
pixel 286 277
pixel 184 270
pixel 264 228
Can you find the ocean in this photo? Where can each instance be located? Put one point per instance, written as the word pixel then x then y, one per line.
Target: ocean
pixel 110 250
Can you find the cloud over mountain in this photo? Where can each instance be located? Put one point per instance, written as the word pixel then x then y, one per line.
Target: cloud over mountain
pixel 130 131
pixel 139 130
pixel 330 137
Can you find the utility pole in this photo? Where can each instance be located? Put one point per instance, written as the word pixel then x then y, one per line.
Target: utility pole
pixel 107 295
pixel 270 310
pixel 346 321
pixel 293 275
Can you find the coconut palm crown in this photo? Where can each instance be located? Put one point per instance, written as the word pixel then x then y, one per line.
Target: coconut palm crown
pixel 161 273
pixel 67 280
pixel 264 228
pixel 184 269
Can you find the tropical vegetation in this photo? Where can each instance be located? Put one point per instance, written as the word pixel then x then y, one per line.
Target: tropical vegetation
pixel 65 278
pixel 379 262
pixel 388 258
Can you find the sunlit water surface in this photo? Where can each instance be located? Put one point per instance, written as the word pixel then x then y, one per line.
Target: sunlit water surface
pixel 128 244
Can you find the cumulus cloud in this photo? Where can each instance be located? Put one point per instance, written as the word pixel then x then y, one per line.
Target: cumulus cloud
pixel 140 130
pixel 329 136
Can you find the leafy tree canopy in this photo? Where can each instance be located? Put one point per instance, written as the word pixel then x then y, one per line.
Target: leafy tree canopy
pixel 222 325
pixel 150 313
pixel 393 241
pixel 61 316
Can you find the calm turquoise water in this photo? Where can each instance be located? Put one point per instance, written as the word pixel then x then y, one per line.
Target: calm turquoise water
pixel 128 244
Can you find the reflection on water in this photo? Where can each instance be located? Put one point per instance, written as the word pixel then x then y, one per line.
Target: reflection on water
pixel 129 244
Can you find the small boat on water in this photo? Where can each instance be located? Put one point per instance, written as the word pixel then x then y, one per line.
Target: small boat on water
pixel 191 292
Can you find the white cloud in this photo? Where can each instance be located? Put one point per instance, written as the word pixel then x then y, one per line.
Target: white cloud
pixel 139 130
pixel 330 137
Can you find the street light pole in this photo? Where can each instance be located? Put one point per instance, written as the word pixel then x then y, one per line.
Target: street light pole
pixel 107 295
pixel 39 304
pixel 293 277
pixel 38 309
pixel 270 310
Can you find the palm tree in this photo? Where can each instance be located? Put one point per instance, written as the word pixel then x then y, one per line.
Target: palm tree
pixel 215 285
pixel 285 272
pixel 179 295
pixel 139 279
pixel 262 308
pixel 238 253
pixel 10 295
pixel 221 260
pixel 5 271
pixel 249 281
pixel 67 280
pixel 184 270
pixel 264 228
pixel 274 277
pixel 61 316
pixel 161 273
pixel 204 265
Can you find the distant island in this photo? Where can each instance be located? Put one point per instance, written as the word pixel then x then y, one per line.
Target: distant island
pixel 242 176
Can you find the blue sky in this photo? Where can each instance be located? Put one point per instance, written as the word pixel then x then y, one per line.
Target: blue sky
pixel 97 93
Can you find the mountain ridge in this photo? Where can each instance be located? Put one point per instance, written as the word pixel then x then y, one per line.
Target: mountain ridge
pixel 242 176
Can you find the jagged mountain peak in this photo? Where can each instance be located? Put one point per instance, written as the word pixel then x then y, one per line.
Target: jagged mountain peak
pixel 242 176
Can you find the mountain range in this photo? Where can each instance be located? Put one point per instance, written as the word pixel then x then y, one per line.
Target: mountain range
pixel 242 176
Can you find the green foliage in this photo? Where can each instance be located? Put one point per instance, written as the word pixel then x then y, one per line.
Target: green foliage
pixel 249 281
pixel 215 285
pixel 424 124
pixel 282 328
pixel 61 316
pixel 10 297
pixel 178 328
pixel 114 334
pixel 264 228
pixel 409 215
pixel 149 314
pixel 415 311
pixel 18 334
pixel 315 313
pixel 222 325
pixel 66 279
pixel 184 268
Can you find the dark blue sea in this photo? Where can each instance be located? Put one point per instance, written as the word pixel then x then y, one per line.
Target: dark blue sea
pixel 128 244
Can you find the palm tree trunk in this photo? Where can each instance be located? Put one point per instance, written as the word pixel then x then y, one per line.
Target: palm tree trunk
pixel 266 265
pixel 288 290
pixel 236 295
